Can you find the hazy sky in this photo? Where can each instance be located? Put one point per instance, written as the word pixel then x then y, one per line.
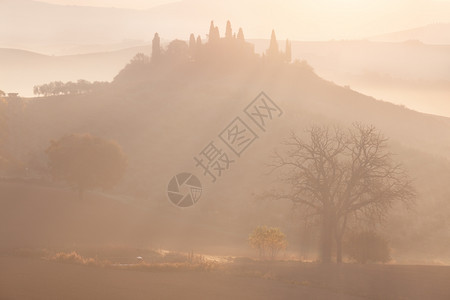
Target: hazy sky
pixel 133 4
pixel 314 19
pixel 144 4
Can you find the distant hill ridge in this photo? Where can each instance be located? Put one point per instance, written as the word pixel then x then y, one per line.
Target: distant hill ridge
pixel 438 34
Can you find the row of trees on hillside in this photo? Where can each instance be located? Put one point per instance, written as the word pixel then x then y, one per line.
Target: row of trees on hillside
pixel 229 50
pixel 60 88
pixel 10 95
pixel 232 45
pixel 275 54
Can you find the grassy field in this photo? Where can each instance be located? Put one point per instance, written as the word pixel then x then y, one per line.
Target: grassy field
pixel 28 278
pixel 33 278
pixel 36 217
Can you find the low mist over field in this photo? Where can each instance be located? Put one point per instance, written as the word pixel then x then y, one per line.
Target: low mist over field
pixel 159 149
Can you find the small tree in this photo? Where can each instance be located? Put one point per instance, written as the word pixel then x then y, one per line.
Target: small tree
pixel 367 246
pixel 86 162
pixel 140 58
pixel 268 241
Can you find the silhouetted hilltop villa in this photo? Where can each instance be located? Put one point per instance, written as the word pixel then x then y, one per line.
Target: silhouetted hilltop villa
pixel 230 47
pixel 230 52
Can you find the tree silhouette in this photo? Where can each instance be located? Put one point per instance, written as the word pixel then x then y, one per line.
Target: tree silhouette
pixel 288 53
pixel 228 31
pixel 199 40
pixel 156 47
pixel 211 34
pixel 340 177
pixel 240 35
pixel 177 51
pixel 198 47
pixel 268 241
pixel 273 51
pixel 216 33
pixel 140 58
pixel 86 162
pixel 192 45
pixel 81 86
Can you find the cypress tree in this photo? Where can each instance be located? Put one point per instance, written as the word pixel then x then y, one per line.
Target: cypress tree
pixel 211 32
pixel 198 46
pixel 216 33
pixel 156 47
pixel 272 52
pixel 192 45
pixel 288 53
pixel 228 31
pixel 240 35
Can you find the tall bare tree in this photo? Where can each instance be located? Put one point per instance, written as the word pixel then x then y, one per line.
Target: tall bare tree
pixel 341 176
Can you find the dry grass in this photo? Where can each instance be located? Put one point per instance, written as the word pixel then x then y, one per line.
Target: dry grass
pixel 206 266
pixel 75 258
pixel 171 261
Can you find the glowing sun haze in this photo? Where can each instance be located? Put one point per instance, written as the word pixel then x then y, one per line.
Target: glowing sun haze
pixel 302 19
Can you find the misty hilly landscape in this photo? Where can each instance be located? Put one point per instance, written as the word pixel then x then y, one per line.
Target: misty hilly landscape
pixel 380 68
pixel 342 192
pixel 133 108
